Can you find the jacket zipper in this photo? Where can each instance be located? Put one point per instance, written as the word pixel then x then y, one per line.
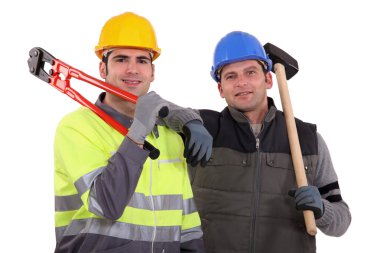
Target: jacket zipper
pixel 152 203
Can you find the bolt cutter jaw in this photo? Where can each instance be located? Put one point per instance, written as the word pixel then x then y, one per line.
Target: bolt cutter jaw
pixel 36 62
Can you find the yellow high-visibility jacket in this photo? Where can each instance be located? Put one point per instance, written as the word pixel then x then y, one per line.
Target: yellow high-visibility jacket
pixel 111 197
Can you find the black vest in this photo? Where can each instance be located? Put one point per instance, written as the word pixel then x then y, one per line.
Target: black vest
pixel 242 194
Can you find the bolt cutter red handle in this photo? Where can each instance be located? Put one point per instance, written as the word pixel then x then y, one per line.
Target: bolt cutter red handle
pixel 59 77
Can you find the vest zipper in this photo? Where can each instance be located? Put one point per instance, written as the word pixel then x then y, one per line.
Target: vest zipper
pixel 256 194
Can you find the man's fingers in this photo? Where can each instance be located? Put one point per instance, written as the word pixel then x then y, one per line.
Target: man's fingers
pixel 189 146
pixel 305 200
pixel 163 112
pixel 204 161
pixel 193 158
pixel 291 193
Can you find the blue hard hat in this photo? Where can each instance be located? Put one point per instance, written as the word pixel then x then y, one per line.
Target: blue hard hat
pixel 238 46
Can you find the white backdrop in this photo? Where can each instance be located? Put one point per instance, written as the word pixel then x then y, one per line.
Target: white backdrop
pixel 335 43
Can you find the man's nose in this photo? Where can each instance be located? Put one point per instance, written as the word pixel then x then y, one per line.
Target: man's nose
pixel 241 80
pixel 132 68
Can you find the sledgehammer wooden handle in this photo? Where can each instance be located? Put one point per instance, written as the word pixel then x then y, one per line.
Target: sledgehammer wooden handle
pixel 295 148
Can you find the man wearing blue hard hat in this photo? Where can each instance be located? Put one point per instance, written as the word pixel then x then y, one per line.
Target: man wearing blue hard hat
pixel 247 194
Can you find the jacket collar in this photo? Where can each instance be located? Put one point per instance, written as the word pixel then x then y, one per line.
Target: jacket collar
pixel 241 118
pixel 122 119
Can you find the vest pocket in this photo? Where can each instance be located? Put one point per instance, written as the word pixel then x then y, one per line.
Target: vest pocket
pixel 278 176
pixel 284 161
pixel 228 170
pixel 226 156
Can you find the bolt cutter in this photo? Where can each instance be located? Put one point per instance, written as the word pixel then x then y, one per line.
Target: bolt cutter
pixel 59 77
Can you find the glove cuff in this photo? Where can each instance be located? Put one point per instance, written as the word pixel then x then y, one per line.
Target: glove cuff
pixel 137 132
pixel 179 116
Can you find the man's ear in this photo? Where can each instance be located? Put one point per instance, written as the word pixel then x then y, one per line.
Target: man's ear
pixel 102 70
pixel 268 80
pixel 153 72
pixel 220 90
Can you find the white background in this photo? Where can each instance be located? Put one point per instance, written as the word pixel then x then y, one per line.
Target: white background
pixel 337 87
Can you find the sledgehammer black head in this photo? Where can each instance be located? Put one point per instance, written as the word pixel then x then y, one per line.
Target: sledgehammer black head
pixel 277 55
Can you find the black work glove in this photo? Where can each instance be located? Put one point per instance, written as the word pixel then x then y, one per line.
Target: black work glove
pixel 198 143
pixel 308 198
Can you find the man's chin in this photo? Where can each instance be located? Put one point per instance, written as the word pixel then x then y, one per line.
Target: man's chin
pixel 242 108
pixel 132 90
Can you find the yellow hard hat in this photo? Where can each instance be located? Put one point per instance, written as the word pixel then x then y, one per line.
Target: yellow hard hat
pixel 128 30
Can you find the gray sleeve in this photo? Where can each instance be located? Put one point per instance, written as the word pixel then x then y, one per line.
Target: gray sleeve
pixel 337 217
pixel 114 187
pixel 178 117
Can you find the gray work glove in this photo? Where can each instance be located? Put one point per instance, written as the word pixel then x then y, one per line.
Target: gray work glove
pixel 308 198
pixel 198 143
pixel 148 108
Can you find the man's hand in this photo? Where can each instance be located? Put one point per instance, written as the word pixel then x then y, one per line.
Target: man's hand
pixel 148 108
pixel 198 143
pixel 308 198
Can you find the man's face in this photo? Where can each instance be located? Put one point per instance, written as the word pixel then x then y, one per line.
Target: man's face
pixel 129 69
pixel 243 84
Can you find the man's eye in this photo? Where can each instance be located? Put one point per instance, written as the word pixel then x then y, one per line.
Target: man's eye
pixel 143 61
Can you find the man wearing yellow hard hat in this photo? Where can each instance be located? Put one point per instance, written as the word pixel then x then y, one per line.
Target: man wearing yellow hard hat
pixel 109 195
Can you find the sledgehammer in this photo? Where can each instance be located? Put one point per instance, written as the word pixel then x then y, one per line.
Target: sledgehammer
pixel 285 67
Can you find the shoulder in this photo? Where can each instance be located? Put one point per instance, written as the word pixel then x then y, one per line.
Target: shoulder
pixel 209 114
pixel 81 120
pixel 211 120
pixel 76 115
pixel 307 134
pixel 82 115
pixel 306 126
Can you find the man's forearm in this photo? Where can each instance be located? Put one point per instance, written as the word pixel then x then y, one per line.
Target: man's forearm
pixel 114 187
